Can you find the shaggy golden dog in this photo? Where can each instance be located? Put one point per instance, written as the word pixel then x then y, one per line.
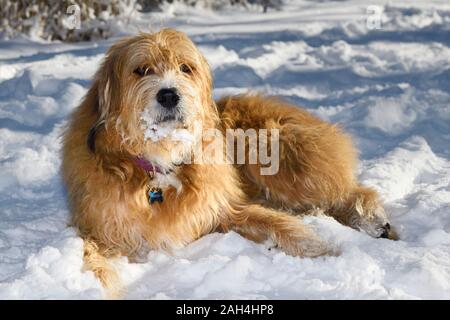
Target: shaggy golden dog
pixel 133 187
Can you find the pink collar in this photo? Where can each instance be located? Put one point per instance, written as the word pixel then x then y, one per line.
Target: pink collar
pixel 147 165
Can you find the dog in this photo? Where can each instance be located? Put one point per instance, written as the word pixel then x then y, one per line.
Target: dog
pixel 131 187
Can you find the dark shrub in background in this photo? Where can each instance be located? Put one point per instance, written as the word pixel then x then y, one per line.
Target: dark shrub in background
pixel 49 19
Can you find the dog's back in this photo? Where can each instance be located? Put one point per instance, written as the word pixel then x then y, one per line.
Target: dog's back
pixel 317 163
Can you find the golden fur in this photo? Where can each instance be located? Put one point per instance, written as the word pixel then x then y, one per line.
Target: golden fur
pixel 107 191
pixel 317 161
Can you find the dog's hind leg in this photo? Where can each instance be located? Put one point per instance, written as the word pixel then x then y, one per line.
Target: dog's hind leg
pixel 258 223
pixel 363 211
pixel 96 260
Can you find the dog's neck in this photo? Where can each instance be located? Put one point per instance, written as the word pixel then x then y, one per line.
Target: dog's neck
pixel 162 177
pixel 149 167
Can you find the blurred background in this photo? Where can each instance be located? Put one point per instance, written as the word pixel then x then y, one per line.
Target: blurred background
pixel 47 18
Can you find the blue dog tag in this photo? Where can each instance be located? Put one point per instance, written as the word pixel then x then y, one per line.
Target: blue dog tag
pixel 155 194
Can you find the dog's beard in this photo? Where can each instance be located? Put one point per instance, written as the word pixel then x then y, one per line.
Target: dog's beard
pixel 166 116
pixel 170 137
pixel 159 124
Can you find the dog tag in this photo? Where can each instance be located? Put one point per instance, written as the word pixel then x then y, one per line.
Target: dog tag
pixel 155 194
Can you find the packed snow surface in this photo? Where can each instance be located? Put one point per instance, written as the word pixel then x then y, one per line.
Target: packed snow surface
pixel 388 87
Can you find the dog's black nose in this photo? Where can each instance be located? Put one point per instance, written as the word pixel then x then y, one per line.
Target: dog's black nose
pixel 168 97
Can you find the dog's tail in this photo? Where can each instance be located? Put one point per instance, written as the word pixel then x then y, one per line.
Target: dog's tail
pixel 97 261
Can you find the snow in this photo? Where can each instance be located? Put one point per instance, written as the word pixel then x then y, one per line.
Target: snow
pixel 156 132
pixel 153 131
pixel 389 88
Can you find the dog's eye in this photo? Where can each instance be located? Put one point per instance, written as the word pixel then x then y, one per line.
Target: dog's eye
pixel 143 71
pixel 185 68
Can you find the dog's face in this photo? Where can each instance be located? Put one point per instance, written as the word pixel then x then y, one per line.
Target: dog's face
pixel 153 90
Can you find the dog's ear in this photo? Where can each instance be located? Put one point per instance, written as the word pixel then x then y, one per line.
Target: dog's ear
pixel 104 94
pixel 105 90
pixel 92 134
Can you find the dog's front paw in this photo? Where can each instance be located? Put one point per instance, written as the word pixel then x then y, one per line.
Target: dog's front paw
pixel 389 232
pixel 374 223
